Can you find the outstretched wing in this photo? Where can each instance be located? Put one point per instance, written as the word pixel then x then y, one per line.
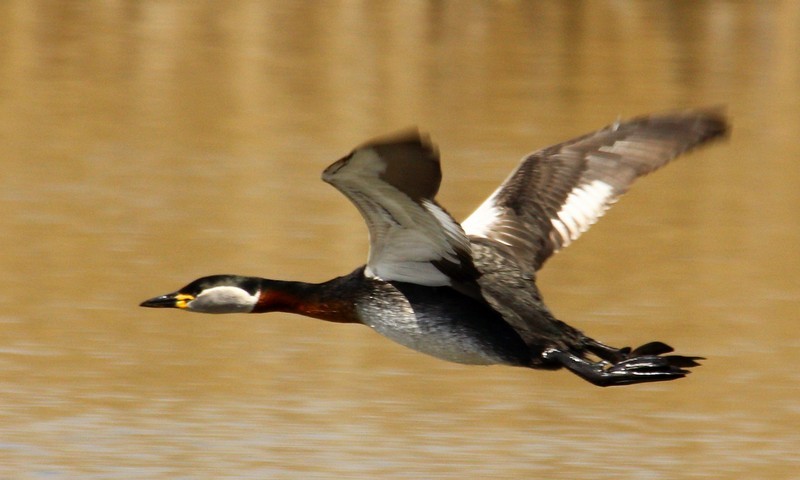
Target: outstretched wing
pixel 557 193
pixel 393 182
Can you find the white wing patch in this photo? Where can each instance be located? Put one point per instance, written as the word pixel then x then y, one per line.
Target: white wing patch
pixel 583 206
pixel 480 222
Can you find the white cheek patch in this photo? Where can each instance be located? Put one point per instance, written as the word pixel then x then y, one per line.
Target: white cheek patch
pixel 223 299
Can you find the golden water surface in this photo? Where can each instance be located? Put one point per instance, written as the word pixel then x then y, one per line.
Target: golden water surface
pixel 144 144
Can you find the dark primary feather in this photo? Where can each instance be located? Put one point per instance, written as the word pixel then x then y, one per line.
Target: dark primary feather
pixel 412 164
pixel 556 193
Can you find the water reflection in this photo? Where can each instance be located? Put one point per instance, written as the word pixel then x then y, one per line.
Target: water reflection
pixel 147 143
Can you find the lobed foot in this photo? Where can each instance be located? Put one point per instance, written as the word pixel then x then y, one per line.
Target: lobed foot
pixel 644 364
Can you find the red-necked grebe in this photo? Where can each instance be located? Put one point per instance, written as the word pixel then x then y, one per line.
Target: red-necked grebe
pixel 467 293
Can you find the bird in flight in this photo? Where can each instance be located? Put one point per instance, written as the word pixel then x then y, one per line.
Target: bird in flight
pixel 467 292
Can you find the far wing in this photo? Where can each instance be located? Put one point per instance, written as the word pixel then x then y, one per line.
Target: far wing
pixel 393 183
pixel 557 193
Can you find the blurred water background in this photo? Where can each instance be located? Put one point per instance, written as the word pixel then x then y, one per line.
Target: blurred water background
pixel 147 143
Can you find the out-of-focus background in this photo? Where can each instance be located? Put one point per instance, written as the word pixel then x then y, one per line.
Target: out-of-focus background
pixel 144 144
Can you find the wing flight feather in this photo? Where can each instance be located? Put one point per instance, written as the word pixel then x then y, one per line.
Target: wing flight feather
pixel 393 183
pixel 557 193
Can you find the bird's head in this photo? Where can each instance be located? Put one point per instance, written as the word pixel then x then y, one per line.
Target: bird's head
pixel 213 294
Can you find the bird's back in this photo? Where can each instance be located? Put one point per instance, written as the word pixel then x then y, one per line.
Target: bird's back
pixel 511 290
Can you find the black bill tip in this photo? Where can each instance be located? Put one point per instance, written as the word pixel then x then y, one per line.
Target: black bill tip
pixel 163 301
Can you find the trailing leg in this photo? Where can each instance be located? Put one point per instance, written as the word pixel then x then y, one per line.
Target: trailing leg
pixel 623 366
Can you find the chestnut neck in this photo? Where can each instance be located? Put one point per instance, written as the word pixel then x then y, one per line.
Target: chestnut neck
pixel 331 301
